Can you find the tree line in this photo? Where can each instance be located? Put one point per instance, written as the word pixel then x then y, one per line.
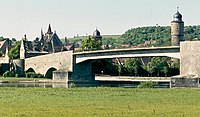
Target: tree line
pixel 154 67
pixel 151 36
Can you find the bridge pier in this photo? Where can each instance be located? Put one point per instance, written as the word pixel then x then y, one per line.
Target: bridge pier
pixel 81 75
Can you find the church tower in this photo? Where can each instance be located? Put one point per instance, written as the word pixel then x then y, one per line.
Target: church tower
pixel 97 35
pixel 177 29
pixel 49 33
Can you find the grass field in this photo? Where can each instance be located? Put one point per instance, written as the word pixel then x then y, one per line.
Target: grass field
pixel 101 102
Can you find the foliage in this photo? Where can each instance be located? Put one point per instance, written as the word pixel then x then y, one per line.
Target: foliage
pixel 14 53
pixel 147 36
pixel 8 74
pixel 72 85
pixel 90 44
pixel 104 66
pixel 158 66
pixel 148 84
pixel 133 66
pixel 16 75
pixel 34 75
pixel 156 35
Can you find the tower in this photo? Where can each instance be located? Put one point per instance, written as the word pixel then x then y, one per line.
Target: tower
pixel 42 38
pixel 177 29
pixel 97 35
pixel 22 50
pixel 49 32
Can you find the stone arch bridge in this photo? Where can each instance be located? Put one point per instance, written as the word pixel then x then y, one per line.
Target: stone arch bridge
pixel 78 65
pixel 45 63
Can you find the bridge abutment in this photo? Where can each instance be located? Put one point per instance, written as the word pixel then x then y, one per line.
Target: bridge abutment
pixel 83 74
pixel 190 57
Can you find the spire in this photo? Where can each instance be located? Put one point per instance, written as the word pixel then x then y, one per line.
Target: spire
pixel 42 32
pixel 177 9
pixel 178 16
pixel 42 36
pixel 49 30
pixel 6 54
pixel 22 50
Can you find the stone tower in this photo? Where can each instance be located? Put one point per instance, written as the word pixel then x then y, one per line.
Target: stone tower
pixel 177 29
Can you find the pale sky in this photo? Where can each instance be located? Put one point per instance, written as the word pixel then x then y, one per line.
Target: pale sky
pixel 72 17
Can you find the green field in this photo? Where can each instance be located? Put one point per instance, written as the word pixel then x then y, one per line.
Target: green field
pixel 101 102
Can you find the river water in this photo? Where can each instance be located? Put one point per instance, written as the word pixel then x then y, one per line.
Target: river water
pixel 41 85
pixel 65 85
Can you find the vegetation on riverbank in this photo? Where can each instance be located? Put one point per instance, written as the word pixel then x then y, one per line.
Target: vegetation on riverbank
pixel 104 102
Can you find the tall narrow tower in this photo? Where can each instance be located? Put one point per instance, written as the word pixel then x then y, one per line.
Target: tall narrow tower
pixel 177 29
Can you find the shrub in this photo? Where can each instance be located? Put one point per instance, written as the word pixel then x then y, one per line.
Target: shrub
pixel 8 74
pixel 148 84
pixel 72 85
pixel 16 75
pixel 34 75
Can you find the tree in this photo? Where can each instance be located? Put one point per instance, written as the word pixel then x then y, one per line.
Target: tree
pixel 133 66
pixel 14 53
pixel 90 44
pixel 158 66
pixel 150 68
pixel 104 66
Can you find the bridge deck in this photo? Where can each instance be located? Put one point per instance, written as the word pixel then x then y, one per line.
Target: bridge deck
pixel 127 49
pixel 171 51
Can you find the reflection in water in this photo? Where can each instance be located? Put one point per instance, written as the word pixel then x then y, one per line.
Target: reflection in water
pixel 42 85
pixel 65 85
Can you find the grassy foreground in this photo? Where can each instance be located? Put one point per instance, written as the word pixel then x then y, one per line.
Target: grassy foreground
pixel 101 102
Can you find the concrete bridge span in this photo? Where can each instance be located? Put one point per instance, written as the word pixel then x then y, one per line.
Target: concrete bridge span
pixel 172 51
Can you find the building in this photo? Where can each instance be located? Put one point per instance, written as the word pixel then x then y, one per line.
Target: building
pixel 97 35
pixel 177 29
pixel 4 45
pixel 47 43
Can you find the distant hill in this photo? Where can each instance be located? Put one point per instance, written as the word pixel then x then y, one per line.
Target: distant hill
pixel 158 36
pixel 105 37
pixel 154 36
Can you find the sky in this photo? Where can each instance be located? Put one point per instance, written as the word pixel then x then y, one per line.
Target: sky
pixel 80 17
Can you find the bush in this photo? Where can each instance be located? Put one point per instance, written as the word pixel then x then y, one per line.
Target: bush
pixel 72 85
pixel 8 74
pixel 148 84
pixel 34 75
pixel 16 75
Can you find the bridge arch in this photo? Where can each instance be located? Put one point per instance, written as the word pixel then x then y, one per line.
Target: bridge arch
pixel 30 70
pixel 49 72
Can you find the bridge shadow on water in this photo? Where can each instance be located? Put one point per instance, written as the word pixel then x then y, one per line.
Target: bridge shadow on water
pixel 65 85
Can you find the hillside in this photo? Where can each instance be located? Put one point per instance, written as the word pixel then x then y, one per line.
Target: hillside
pixel 158 36
pixel 75 39
pixel 154 36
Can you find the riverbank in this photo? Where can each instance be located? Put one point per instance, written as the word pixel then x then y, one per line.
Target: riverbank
pixel 103 102
pixel 18 80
